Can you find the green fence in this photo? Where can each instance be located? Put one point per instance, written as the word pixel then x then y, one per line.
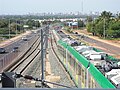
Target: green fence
pixel 97 75
pixel 109 57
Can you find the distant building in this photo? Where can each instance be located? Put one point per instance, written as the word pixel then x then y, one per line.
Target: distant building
pixel 74 25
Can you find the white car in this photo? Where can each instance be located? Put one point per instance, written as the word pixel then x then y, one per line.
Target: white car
pixel 24 38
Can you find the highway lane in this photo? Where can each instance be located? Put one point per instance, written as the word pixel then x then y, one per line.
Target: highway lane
pixel 107 47
pixel 19 43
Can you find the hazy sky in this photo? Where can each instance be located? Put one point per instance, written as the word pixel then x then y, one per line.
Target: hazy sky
pixel 39 6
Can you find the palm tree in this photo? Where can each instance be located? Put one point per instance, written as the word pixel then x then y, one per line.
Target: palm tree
pixel 106 18
pixel 118 16
pixel 106 15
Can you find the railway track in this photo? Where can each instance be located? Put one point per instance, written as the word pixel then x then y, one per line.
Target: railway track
pixel 21 65
pixel 25 62
pixel 69 82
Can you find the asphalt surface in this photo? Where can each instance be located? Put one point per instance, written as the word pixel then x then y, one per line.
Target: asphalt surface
pixel 19 43
pixel 110 49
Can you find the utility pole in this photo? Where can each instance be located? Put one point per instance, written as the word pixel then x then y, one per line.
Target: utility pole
pixel 82 6
pixel 42 59
pixel 82 14
pixel 104 29
pixel 47 34
pixel 44 46
pixel 77 25
pixel 9 28
pixel 16 27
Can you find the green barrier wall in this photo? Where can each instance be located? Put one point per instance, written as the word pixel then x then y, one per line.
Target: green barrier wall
pixel 79 57
pixel 109 57
pixel 100 78
pixel 97 75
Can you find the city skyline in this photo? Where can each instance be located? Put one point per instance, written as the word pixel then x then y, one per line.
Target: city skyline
pixel 21 7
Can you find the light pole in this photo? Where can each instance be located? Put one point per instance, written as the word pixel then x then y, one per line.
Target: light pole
pixel 82 6
pixel 9 28
pixel 16 27
pixel 104 29
pixel 42 56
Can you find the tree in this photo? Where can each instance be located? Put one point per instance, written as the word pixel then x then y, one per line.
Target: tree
pixel 13 26
pixel 4 31
pixel 99 28
pixel 118 16
pixel 3 23
pixel 44 22
pixel 81 23
pixel 114 30
pixel 37 24
pixel 30 23
pixel 101 25
pixel 106 15
pixel 89 27
pixel 89 19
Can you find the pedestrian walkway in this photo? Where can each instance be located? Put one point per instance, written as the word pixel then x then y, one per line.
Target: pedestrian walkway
pixel 12 40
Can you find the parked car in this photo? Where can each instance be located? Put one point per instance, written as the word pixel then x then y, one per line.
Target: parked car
pixel 2 50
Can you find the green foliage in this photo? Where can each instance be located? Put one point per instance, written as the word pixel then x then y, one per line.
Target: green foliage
pixel 105 24
pixel 37 24
pixel 118 16
pixel 114 30
pixel 13 26
pixel 106 15
pixel 32 23
pixel 3 23
pixel 81 24
pixel 100 28
pixel 4 31
pixel 89 19
pixel 89 27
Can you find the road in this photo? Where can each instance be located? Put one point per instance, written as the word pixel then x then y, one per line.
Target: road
pixel 9 47
pixel 108 48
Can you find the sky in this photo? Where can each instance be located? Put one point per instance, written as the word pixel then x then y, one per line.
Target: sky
pixel 63 6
